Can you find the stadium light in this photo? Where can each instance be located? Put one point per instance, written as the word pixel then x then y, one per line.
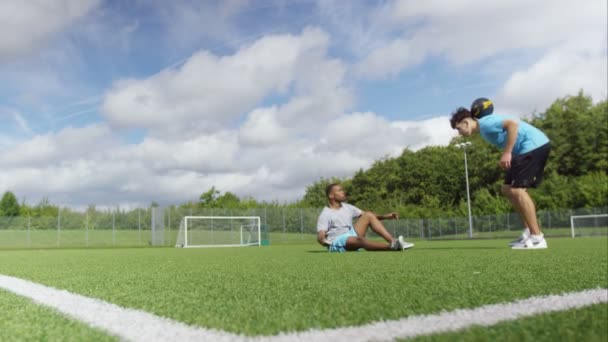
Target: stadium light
pixel 466 175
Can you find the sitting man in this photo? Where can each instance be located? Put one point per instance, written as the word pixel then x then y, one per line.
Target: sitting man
pixel 335 229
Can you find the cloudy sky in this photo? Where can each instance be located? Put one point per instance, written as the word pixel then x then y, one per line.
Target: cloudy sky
pixel 114 102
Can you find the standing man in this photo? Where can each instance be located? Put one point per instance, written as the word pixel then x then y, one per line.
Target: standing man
pixel 336 231
pixel 525 153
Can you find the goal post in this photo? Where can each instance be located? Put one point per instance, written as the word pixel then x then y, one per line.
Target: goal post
pixel 589 225
pixel 219 231
pixel 250 234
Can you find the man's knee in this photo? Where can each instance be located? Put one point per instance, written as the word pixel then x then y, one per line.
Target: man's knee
pixel 368 215
pixel 518 193
pixel 355 242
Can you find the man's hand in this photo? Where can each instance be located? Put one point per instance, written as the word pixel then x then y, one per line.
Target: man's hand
pixel 392 216
pixel 322 239
pixel 505 160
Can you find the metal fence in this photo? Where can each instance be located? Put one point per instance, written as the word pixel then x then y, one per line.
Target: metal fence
pixel 159 226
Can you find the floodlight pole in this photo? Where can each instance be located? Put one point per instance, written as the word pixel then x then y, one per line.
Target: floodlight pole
pixel 466 174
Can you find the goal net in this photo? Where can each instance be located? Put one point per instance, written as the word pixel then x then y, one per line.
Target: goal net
pixel 589 225
pixel 219 231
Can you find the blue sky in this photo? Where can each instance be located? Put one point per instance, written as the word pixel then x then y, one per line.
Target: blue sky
pixel 113 102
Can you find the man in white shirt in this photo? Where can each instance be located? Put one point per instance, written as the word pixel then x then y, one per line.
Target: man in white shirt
pixel 336 231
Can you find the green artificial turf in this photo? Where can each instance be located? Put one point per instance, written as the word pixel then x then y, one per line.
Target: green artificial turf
pixel 75 238
pixel 586 324
pixel 267 290
pixel 22 320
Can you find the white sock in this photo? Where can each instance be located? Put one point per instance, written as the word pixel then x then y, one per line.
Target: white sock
pixel 527 231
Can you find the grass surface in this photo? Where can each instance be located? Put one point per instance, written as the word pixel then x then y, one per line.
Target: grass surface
pixel 22 320
pixel 586 324
pixel 266 290
pixel 70 238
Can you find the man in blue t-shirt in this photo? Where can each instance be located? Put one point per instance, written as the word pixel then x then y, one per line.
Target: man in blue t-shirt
pixel 525 153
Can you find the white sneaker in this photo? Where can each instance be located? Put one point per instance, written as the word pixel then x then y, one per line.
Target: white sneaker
pixel 524 235
pixel 404 244
pixel 533 242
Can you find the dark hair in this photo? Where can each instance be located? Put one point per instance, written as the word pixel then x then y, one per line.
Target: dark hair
pixel 459 115
pixel 329 188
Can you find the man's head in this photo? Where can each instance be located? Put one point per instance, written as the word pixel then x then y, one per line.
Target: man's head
pixel 463 121
pixel 335 192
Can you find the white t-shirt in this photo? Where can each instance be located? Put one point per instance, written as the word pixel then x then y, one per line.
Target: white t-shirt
pixel 337 221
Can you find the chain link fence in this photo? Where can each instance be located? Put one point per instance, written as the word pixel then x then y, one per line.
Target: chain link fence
pixel 159 226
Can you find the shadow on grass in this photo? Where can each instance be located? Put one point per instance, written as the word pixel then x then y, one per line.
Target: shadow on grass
pixel 464 247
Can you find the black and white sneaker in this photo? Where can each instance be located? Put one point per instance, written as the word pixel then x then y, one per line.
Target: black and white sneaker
pixel 404 244
pixel 524 235
pixel 533 242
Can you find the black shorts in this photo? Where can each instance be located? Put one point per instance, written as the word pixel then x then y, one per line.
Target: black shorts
pixel 527 169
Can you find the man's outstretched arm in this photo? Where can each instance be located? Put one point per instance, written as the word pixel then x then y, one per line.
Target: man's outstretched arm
pixel 389 216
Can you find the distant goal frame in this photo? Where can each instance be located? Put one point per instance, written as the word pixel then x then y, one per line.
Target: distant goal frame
pixel 185 222
pixel 572 230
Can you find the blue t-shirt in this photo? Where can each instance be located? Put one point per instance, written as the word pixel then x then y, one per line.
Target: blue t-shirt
pixel 528 136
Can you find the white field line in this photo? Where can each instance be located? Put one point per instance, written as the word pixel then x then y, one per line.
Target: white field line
pixel 136 325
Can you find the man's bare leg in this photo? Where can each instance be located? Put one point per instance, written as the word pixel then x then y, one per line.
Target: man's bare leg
pixel 354 243
pixel 506 190
pixel 368 219
pixel 527 209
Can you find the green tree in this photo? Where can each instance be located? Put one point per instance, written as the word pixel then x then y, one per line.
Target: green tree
pixel 592 189
pixel 45 209
pixel 579 135
pixel 228 200
pixel 25 209
pixel 208 198
pixel 9 205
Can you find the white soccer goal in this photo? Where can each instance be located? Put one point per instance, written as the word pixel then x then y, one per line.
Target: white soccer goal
pixel 589 225
pixel 219 231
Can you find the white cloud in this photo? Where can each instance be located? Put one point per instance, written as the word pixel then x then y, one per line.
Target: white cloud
pixel 466 31
pixel 89 165
pixel 435 131
pixel 27 25
pixel 209 92
pixel 206 153
pixel 560 72
pixel 371 136
pixel 65 146
pixel 363 134
pixel 262 128
pixel 390 60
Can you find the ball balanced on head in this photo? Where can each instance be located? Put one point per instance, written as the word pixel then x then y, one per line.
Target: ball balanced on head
pixel 482 107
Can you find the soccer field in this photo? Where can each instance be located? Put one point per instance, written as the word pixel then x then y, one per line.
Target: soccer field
pixel 264 291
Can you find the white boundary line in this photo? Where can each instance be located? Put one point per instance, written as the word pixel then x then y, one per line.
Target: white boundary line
pixel 137 325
